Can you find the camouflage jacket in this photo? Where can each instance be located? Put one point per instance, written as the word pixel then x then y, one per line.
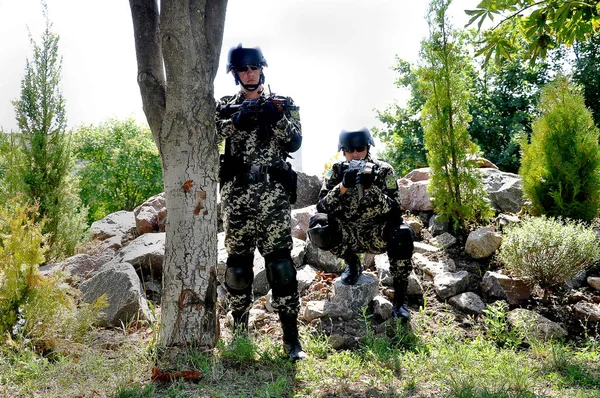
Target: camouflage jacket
pixel 249 146
pixel 373 207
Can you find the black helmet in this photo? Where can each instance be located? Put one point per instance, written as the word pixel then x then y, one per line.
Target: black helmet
pixel 353 139
pixel 240 56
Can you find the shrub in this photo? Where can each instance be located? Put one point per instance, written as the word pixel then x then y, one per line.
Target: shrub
pixel 34 309
pixel 548 251
pixel 560 168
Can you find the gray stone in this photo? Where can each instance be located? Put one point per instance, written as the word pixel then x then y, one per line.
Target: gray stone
pixel 326 309
pixel 436 226
pixel 587 311
pixel 300 218
pixel 468 302
pixel 305 276
pixel 115 224
pixel 355 296
pixel 322 259
pixel 415 287
pixel 298 252
pixel 151 215
pixel 124 294
pixel 594 282
pixel 146 253
pixel 482 243
pixel 496 286
pixel 308 190
pixel 534 326
pixel 504 190
pixel 433 268
pixel 382 307
pixel 450 284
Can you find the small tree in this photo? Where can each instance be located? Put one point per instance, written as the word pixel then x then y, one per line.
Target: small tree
pixel 560 168
pixel 455 186
pixel 47 161
pixel 118 166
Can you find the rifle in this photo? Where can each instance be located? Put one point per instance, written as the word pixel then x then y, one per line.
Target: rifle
pixel 363 167
pixel 256 105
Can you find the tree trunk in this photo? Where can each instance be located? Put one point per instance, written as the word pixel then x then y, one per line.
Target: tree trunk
pixel 179 106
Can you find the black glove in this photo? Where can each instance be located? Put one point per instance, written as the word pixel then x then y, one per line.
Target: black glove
pixel 365 179
pixel 270 114
pixel 349 179
pixel 243 121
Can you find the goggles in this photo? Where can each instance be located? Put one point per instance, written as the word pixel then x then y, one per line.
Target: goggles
pixel 245 68
pixel 354 149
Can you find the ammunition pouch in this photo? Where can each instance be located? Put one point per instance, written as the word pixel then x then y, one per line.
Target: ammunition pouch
pixel 287 177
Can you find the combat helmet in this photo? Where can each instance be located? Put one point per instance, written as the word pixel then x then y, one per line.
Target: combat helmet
pixel 353 139
pixel 240 56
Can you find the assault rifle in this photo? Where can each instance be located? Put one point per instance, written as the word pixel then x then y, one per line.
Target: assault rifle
pixel 256 105
pixel 363 167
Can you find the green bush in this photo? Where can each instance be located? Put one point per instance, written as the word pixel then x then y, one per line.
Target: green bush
pixel 36 310
pixel 118 166
pixel 560 168
pixel 548 251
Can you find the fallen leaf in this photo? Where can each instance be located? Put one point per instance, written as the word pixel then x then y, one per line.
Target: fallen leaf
pixel 168 377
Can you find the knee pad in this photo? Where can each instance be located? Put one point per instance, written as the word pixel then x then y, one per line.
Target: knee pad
pixel 322 231
pixel 239 274
pixel 401 242
pixel 281 272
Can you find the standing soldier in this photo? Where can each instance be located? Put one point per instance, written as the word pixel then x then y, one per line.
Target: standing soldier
pixel 257 185
pixel 358 212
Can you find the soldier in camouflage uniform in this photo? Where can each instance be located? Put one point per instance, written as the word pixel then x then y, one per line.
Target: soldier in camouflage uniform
pixel 347 224
pixel 255 190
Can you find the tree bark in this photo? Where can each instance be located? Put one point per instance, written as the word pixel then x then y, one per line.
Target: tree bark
pixel 179 104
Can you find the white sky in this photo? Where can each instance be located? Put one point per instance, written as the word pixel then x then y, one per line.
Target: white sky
pixel 333 57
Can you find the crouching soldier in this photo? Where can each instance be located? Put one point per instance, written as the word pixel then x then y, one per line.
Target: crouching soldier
pixel 358 212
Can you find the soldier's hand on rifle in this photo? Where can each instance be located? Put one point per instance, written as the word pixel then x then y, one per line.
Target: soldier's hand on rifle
pixel 243 120
pixel 365 179
pixel 349 179
pixel 271 114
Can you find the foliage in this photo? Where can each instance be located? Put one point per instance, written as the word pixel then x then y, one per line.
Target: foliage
pixel 586 73
pixel 403 134
pixel 560 167
pixel 11 163
pixel 118 166
pixel 548 251
pixel 35 309
pixel 45 148
pixel 455 186
pixel 497 328
pixel 538 25
pixel 503 108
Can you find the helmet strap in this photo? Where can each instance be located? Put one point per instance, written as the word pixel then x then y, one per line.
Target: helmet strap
pixel 248 87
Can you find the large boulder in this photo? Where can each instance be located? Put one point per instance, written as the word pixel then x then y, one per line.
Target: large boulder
pixel 123 291
pixel 482 243
pixel 151 215
pixel 307 191
pixel 120 224
pixel 504 190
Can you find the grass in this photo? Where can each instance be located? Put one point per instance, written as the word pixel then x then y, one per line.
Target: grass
pixel 404 362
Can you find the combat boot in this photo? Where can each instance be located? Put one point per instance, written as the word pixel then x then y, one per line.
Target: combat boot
pixel 400 309
pixel 291 341
pixel 353 269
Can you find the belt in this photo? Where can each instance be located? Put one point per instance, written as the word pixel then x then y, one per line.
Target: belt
pixel 257 173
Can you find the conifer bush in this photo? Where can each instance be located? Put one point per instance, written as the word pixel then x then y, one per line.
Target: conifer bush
pixel 560 168
pixel 34 309
pixel 548 251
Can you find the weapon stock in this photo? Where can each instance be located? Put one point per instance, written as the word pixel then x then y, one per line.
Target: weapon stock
pixel 363 167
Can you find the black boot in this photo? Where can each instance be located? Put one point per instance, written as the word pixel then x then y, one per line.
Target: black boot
pixel 400 310
pixel 291 342
pixel 353 269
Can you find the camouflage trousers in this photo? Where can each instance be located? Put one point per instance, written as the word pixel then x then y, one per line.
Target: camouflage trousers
pixel 257 215
pixel 368 238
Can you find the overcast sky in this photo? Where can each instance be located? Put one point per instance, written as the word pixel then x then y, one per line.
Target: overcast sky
pixel 333 57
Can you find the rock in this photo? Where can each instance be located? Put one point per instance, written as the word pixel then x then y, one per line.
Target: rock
pixel 504 190
pixel 594 282
pixel 326 309
pixel 450 284
pixel 436 226
pixel 413 195
pixel 444 241
pixel 322 259
pixel 587 311
pixel 298 252
pixel 433 268
pixel 119 224
pixel 300 218
pixel 305 276
pixel 421 174
pixel 415 225
pixel 468 302
pixel 534 326
pixel 145 253
pixel 382 308
pixel 355 296
pixel 83 266
pixel 496 286
pixel 307 191
pixel 424 248
pixel 151 215
pixel 482 243
pixel 121 285
pixel 415 288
